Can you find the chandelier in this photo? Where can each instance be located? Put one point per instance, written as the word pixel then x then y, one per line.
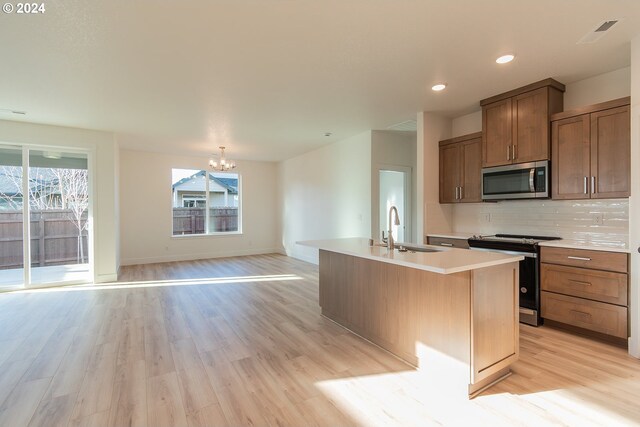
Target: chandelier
pixel 223 164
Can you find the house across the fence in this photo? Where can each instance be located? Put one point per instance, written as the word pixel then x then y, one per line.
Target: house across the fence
pixel 190 192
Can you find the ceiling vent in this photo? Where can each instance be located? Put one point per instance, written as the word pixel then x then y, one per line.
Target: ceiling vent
pixel 406 126
pixel 10 111
pixel 598 32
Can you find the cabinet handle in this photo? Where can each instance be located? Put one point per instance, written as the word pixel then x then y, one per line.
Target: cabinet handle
pixel 461 196
pixel 446 244
pixel 593 185
pixel 586 185
pixel 508 152
pixel 456 196
pixel 514 152
pixel 579 258
pixel 580 282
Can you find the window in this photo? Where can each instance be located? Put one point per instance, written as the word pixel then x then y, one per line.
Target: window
pixel 205 202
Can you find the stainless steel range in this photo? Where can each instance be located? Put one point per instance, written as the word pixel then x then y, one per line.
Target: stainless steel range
pixel 526 246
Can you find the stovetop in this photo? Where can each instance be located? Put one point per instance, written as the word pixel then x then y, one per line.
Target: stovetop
pixel 511 242
pixel 515 238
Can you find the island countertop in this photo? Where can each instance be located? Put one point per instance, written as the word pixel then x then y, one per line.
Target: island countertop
pixel 443 261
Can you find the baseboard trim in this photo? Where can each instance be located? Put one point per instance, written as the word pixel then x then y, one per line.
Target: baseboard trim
pixel 195 257
pixel 106 278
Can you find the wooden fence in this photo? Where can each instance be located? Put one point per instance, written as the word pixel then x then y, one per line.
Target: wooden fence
pixel 192 221
pixel 54 239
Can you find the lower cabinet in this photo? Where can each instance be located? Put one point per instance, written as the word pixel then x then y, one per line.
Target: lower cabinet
pixel 585 289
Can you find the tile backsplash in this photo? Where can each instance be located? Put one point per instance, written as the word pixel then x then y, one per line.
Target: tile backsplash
pixel 584 220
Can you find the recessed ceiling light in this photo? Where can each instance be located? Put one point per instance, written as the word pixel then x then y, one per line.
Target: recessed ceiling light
pixel 328 134
pixel 505 58
pixel 438 87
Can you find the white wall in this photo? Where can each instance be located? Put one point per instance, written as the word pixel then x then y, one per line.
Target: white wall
pixel 326 194
pixel 634 209
pixel 146 211
pixel 469 123
pixel 392 148
pixel 432 129
pixel 102 147
pixel 600 88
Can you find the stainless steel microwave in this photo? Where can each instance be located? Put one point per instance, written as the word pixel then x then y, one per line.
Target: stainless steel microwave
pixel 521 181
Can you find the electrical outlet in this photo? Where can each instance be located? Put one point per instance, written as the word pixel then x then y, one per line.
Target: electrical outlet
pixel 598 219
pixel 485 217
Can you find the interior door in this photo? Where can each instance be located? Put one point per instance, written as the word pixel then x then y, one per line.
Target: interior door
pixel 12 248
pixel 395 190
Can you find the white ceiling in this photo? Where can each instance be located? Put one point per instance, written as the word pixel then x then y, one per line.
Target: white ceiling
pixel 268 78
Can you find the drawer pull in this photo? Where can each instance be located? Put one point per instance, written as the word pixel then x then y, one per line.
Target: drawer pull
pixel 579 258
pixel 446 244
pixel 585 317
pixel 580 282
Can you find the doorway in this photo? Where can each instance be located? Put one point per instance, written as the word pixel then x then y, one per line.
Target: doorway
pixel 51 189
pixel 395 190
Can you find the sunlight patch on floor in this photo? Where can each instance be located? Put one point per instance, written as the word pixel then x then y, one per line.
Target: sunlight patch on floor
pixel 167 283
pixel 410 401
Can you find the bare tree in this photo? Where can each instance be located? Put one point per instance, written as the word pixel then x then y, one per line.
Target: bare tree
pixel 51 189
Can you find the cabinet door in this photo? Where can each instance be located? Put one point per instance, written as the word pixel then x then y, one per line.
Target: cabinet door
pixel 449 173
pixel 611 153
pixel 471 171
pixel 496 133
pixel 531 126
pixel 570 144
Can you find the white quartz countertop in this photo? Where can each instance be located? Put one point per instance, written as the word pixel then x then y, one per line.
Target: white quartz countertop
pixel 592 246
pixel 444 261
pixel 451 235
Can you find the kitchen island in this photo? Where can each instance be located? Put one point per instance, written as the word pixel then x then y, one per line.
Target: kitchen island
pixel 452 313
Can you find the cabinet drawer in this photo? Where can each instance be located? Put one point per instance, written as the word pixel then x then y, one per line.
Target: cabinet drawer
pixel 451 243
pixel 599 260
pixel 597 285
pixel 596 316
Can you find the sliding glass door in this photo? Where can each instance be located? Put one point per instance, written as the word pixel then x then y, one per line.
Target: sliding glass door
pixel 55 196
pixel 11 219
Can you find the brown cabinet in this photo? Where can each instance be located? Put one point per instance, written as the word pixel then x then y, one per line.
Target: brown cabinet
pixel 460 169
pixel 585 289
pixel 591 152
pixel 515 125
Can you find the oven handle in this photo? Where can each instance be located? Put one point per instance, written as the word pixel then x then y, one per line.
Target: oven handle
pixel 524 254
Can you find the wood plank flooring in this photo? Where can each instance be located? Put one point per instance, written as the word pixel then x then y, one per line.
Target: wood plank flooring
pixel 240 341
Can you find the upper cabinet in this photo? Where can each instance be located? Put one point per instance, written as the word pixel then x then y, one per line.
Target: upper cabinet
pixel 515 124
pixel 460 169
pixel 591 156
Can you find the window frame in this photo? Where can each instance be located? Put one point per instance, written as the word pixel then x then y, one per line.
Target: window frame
pixel 208 207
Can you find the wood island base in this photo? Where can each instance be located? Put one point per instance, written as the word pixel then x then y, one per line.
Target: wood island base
pixel 460 330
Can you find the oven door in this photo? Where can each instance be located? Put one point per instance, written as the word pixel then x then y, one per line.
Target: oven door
pixel 522 181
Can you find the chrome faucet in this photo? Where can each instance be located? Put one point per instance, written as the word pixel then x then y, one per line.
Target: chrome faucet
pixel 390 242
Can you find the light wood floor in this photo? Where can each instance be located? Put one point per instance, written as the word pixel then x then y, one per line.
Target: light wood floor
pixel 240 341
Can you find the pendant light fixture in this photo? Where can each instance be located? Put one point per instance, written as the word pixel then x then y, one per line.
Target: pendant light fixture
pixel 222 164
